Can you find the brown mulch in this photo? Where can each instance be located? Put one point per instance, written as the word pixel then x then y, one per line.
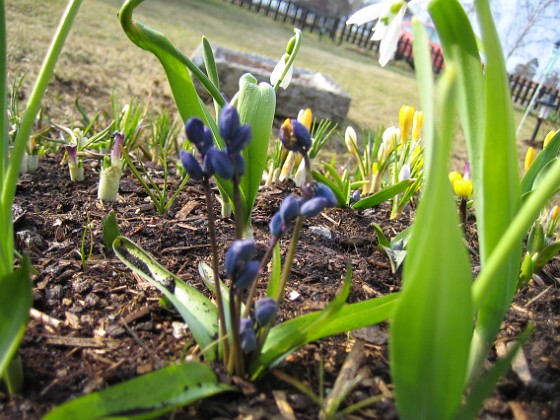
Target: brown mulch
pixel 112 326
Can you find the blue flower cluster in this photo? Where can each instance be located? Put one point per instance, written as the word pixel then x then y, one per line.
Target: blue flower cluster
pixel 225 163
pixel 265 312
pixel 317 197
pixel 241 268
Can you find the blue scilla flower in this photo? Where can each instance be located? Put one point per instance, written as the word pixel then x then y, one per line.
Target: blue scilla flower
pixel 247 335
pixel 217 161
pixel 191 165
pixel 323 190
pixel 265 311
pixel 199 135
pixel 239 263
pixel 237 137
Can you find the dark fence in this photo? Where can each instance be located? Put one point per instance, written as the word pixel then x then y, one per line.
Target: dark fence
pixel 522 90
pixel 334 27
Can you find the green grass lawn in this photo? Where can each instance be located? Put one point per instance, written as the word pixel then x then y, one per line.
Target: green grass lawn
pixel 99 59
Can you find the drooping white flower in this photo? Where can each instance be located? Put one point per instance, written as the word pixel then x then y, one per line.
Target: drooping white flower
pixel 389 15
pixel 279 70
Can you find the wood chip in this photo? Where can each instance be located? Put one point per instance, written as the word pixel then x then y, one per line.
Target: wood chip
pixel 285 408
pixel 44 318
pixel 58 340
pixel 186 209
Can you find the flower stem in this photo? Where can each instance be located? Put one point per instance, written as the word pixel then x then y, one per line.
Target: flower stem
pixel 287 266
pixel 253 290
pixel 215 267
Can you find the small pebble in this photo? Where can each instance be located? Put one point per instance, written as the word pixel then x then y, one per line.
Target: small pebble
pixel 321 231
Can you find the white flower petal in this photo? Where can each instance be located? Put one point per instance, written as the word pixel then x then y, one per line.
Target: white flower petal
pixel 278 70
pixel 287 78
pixel 369 13
pixel 388 44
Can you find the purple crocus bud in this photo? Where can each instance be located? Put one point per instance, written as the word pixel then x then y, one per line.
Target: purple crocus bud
pixel 217 161
pixel 289 208
pixel 191 165
pixel 199 135
pixel 265 311
pixel 116 152
pixel 313 206
pixel 404 172
pixel 238 162
pixel 240 140
pixel 276 225
pixel 323 190
pixel 247 335
pixel 301 133
pixel 72 150
pixel 229 122
pixel 248 275
pixel 239 254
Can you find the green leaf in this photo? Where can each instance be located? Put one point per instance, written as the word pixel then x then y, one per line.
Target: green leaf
pixel 275 274
pixel 382 240
pixel 291 335
pixel 200 314
pixel 547 254
pixel 433 318
pixel 256 104
pixel 382 195
pixel 396 257
pixel 15 302
pixel 147 396
pixel 110 229
pixel 335 188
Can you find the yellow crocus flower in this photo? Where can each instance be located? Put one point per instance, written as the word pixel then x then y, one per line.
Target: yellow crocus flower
pixel 454 176
pixel 529 157
pixel 306 118
pixel 548 137
pixel 417 124
pixel 463 187
pixel 406 117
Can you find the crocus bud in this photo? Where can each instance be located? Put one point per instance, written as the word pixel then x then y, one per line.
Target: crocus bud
pixel 238 255
pixel 404 172
pixel 229 122
pixel 417 124
pixel 302 136
pixel 351 140
pixel 548 138
pixel 390 136
pixel 247 335
pixel 265 311
pixel 305 116
pixel 191 165
pixel 463 187
pixel 529 158
pixel 323 190
pixel 406 115
pixel 199 135
pixel 313 206
pixel 116 153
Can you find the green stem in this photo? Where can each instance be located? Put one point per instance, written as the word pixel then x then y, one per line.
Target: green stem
pixel 287 267
pixel 239 216
pixel 215 266
pixel 253 290
pixel 292 58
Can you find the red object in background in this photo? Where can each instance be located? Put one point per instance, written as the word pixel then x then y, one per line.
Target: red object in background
pixel 404 46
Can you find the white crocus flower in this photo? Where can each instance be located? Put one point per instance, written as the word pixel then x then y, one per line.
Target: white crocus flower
pixel 279 69
pixel 389 15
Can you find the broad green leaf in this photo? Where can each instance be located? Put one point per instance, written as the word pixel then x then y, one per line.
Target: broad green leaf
pixel 382 195
pixel 547 254
pixel 382 240
pixel 433 318
pixel 396 257
pixel 15 301
pixel 200 314
pixel 147 396
pixel 110 229
pixel 546 156
pixel 501 191
pixel 256 103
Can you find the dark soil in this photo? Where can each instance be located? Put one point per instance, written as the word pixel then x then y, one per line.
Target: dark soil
pixel 113 328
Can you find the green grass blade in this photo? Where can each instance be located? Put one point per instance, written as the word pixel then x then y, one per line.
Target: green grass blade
pixel 200 314
pixel 433 318
pixel 340 196
pixel 15 301
pixel 4 136
pixel 383 195
pixel 146 397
